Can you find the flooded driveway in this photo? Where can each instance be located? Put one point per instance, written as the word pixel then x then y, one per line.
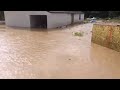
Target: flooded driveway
pixel 36 54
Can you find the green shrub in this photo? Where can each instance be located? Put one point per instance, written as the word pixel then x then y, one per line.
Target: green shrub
pixel 80 34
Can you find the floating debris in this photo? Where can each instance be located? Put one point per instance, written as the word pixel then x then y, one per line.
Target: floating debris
pixel 69 59
pixel 80 34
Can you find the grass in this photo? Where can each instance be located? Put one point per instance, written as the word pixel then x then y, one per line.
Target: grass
pixel 116 20
pixel 80 34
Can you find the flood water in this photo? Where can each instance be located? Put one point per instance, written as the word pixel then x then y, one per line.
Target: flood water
pixel 55 54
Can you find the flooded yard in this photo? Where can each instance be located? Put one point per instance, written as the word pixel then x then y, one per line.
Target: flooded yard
pixel 55 54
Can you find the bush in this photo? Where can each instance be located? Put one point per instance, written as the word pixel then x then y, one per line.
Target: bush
pixel 78 34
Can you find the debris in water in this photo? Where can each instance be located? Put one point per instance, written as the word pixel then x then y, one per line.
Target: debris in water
pixel 64 26
pixel 80 34
pixel 69 59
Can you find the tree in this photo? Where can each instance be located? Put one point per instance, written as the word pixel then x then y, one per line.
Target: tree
pixel 2 15
pixel 113 14
pixel 100 14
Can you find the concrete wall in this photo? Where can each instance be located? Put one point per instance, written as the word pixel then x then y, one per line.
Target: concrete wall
pixel 82 17
pixel 15 18
pixel 56 20
pixel 22 18
pixel 76 18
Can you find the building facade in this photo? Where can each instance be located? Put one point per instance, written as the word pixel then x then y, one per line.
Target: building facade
pixel 42 19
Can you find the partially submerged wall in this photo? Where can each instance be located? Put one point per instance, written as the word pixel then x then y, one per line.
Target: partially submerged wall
pixel 107 35
pixel 57 20
pixel 21 18
pixel 82 17
pixel 17 19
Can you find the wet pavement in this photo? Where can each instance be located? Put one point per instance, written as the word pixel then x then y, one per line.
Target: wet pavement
pixel 55 54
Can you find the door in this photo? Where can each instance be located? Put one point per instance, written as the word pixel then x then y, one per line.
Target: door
pixel 38 21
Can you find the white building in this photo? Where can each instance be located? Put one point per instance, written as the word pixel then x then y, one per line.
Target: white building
pixel 42 19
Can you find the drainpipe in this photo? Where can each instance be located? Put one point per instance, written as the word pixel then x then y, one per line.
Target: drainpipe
pixel 72 18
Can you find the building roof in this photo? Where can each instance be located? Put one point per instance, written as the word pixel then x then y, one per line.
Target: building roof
pixel 67 12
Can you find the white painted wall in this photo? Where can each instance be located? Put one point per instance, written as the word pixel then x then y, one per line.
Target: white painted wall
pixel 22 18
pixel 82 17
pixel 76 18
pixel 17 18
pixel 56 20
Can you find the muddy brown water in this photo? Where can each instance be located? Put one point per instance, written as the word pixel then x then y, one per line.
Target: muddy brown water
pixel 55 54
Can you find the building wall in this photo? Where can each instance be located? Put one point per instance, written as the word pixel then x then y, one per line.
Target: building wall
pixel 16 18
pixel 22 18
pixel 76 18
pixel 82 17
pixel 56 20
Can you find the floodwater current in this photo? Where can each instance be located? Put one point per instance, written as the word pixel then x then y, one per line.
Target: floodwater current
pixel 55 54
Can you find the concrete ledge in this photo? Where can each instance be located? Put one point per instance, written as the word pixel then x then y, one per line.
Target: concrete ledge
pixel 107 35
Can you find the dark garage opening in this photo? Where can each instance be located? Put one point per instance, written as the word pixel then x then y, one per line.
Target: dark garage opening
pixel 38 21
